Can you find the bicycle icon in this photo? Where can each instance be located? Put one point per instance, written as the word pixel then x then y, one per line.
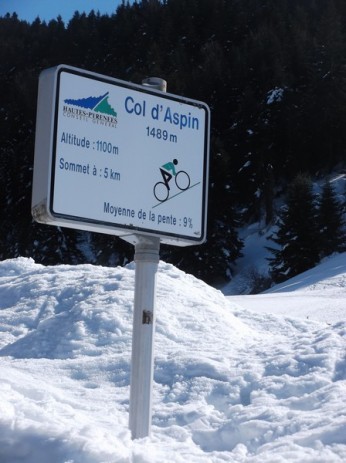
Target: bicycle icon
pixel 181 178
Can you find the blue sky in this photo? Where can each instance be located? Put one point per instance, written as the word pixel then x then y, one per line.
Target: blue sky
pixel 28 10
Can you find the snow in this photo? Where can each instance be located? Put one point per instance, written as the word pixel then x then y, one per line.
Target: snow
pixel 275 95
pixel 258 379
pixel 317 294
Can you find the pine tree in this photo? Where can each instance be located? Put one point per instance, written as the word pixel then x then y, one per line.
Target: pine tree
pixel 297 234
pixel 332 236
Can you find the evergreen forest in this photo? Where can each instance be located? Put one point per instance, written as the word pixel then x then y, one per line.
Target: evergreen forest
pixel 273 73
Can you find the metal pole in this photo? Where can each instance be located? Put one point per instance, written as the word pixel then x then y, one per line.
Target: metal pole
pixel 147 256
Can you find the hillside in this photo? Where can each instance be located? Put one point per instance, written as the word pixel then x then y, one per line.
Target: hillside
pixel 231 384
pixel 250 273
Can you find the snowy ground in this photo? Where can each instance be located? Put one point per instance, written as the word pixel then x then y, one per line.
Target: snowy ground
pixel 237 379
pixel 319 294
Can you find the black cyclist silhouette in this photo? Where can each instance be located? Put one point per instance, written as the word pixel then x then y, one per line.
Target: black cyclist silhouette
pixel 168 171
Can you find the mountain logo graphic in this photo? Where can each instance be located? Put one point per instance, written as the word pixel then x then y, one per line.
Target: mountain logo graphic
pixel 98 104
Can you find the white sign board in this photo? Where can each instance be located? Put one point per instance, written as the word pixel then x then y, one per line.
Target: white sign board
pixel 120 158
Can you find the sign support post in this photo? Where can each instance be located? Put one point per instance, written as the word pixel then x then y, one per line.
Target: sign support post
pixel 142 363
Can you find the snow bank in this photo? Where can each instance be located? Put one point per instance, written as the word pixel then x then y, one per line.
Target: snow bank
pixel 231 385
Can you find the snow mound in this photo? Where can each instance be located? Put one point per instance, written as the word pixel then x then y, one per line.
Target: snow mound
pixel 66 312
pixel 230 384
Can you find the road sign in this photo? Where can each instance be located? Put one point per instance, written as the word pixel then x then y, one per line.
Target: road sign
pixel 120 158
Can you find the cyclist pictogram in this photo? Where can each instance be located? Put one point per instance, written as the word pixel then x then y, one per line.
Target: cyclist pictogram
pixel 168 171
